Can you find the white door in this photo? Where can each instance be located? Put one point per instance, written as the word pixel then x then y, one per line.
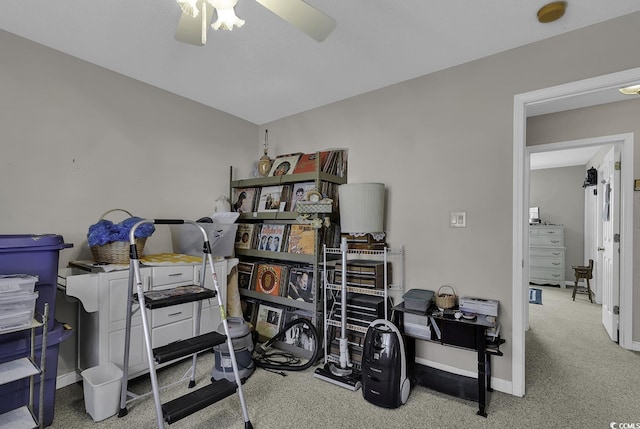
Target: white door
pixel 591 236
pixel 610 268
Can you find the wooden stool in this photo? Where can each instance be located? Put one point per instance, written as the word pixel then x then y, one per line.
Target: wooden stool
pixel 583 272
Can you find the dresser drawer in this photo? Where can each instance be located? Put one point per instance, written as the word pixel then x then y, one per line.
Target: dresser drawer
pixel 181 274
pixel 546 274
pixel 547 252
pixel 553 263
pixel 166 315
pixel 547 240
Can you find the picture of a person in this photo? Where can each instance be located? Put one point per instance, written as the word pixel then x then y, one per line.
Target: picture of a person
pixel 245 237
pixel 282 168
pixel 263 243
pixel 269 245
pixel 276 244
pixel 299 196
pixel 238 205
pixel 300 289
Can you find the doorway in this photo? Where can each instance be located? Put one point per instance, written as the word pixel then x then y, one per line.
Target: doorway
pixel 520 265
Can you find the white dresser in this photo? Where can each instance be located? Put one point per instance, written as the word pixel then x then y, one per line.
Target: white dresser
pixel 101 325
pixel 546 254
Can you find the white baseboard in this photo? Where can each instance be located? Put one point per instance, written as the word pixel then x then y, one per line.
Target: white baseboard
pixel 498 384
pixel 67 379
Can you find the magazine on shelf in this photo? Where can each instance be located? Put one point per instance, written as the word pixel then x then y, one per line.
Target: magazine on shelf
pixel 245 274
pixel 299 335
pixel 301 284
pixel 245 235
pixel 284 164
pixel 268 321
pixel 302 239
pixel 269 279
pixel 271 237
pixel 249 307
pixel 243 200
pixel 273 198
pixel 298 193
pixel 307 162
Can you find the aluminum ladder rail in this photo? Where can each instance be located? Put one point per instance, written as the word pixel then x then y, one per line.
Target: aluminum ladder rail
pixel 203 397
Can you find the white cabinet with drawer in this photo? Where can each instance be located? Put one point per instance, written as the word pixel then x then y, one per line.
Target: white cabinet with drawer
pixel 102 315
pixel 546 254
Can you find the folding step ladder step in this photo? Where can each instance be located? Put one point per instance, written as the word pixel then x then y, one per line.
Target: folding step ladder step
pixel 188 404
pixel 178 295
pixel 187 347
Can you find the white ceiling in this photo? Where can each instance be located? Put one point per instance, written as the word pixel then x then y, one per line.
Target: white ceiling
pixel 268 69
pixel 562 158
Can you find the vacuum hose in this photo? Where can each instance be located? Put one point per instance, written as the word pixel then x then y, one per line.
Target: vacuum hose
pixel 263 361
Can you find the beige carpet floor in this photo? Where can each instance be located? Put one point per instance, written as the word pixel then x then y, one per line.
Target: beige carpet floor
pixel 576 378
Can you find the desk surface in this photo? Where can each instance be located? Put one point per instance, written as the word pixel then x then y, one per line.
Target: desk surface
pixel 480 320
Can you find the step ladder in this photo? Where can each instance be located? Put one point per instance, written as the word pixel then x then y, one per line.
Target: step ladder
pixel 196 400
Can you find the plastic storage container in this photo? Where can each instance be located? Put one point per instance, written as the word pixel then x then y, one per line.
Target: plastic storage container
pixel 36 255
pixel 16 309
pixel 11 283
pixel 101 386
pixel 16 394
pixel 188 239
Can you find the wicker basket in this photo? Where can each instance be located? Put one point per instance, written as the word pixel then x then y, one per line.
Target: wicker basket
pixel 446 300
pixel 116 252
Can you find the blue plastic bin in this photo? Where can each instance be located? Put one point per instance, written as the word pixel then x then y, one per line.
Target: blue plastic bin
pixel 37 255
pixel 16 394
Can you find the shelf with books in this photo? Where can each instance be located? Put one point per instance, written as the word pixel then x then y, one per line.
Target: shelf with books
pixel 269 220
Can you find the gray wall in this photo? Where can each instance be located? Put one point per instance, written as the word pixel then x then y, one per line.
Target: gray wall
pixel 441 143
pixel 559 194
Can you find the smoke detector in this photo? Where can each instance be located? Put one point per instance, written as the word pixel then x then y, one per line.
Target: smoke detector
pixel 552 11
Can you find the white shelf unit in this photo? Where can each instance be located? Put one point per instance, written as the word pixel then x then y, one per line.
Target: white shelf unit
pixel 25 416
pixel 331 290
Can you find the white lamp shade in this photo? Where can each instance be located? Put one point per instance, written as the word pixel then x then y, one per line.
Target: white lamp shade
pixel 361 208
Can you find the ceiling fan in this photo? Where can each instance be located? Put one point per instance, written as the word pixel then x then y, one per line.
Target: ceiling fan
pixel 197 15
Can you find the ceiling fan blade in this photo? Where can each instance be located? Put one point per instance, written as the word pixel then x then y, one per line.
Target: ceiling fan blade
pixel 190 29
pixel 306 18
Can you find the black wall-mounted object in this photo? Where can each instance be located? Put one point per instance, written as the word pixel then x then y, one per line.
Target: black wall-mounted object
pixel 592 178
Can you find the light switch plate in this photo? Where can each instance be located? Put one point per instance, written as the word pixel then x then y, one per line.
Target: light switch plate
pixel 458 219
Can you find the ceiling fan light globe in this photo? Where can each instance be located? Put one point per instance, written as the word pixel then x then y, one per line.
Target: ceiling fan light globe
pixel 227 19
pixel 189 7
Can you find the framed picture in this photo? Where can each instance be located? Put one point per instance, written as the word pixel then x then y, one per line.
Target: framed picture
pixel 284 164
pixel 268 321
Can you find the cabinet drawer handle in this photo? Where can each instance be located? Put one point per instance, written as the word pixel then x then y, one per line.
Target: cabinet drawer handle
pixel 555 253
pixel 555 275
pixel 555 263
pixel 555 241
pixel 175 314
pixel 175 274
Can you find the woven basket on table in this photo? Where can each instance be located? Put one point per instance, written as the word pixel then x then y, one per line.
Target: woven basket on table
pixel 116 252
pixel 446 300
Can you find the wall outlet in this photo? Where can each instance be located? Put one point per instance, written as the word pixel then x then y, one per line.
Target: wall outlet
pixel 458 219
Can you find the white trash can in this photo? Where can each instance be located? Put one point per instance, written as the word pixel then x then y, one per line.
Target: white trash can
pixel 101 385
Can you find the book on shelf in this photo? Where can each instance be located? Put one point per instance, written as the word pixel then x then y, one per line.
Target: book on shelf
pixel 244 199
pixel 273 198
pixel 300 334
pixel 246 235
pixel 301 284
pixel 245 274
pixel 268 321
pixel 336 163
pixel 249 307
pixel 307 162
pixel 299 192
pixel 269 278
pixel 272 236
pixel 284 164
pixel 302 239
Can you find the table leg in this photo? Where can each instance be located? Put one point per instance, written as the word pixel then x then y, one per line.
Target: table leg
pixel 482 380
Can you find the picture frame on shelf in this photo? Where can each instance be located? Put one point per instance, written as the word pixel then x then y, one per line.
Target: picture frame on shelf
pixel 268 321
pixel 284 165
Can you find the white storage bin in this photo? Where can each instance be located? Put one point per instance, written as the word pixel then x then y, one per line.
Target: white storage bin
pixel 188 239
pixel 17 309
pixel 101 386
pixel 10 283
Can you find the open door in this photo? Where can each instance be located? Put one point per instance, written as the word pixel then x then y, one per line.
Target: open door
pixel 609 188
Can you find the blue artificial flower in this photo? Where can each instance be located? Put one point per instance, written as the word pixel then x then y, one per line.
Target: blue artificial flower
pixel 105 231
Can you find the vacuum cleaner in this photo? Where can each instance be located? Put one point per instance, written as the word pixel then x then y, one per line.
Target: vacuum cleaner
pixel 384 366
pixel 344 375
